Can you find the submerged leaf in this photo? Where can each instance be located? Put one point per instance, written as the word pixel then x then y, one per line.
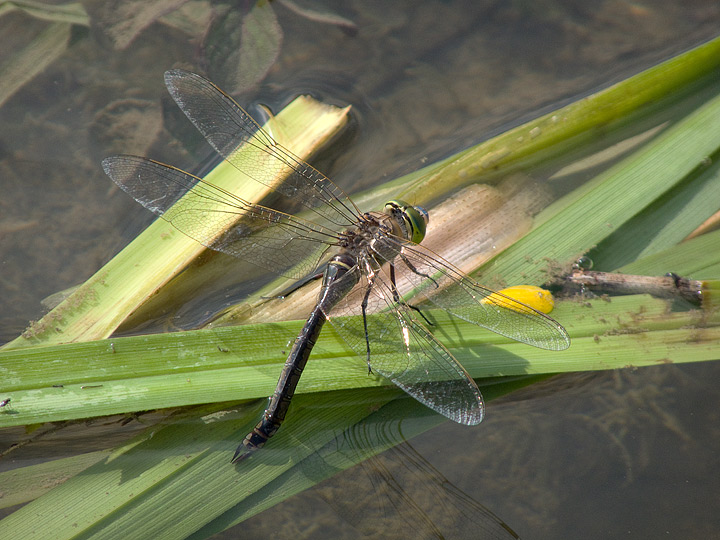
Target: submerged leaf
pixel 73 13
pixel 241 48
pixel 32 60
pixel 321 16
pixel 122 21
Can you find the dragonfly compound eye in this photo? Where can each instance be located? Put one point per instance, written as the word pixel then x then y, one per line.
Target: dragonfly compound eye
pixel 415 218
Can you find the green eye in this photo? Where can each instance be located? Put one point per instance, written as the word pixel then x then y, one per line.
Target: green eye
pixel 415 217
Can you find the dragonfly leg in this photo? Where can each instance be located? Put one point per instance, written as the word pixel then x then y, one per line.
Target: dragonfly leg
pixel 412 268
pixel 297 285
pixel 363 306
pixel 396 295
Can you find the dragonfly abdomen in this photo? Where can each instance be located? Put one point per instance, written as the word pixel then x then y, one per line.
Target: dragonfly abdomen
pixel 338 279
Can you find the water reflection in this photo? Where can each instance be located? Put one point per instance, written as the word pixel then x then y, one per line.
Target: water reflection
pixel 400 491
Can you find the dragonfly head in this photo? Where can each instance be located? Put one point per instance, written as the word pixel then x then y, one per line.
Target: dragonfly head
pixel 414 218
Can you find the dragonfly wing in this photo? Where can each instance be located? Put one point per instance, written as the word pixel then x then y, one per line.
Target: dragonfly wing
pixel 432 278
pixel 226 126
pixel 405 352
pixel 285 244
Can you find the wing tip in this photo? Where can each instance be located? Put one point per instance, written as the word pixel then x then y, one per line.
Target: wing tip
pixel 107 164
pixel 562 340
pixel 175 73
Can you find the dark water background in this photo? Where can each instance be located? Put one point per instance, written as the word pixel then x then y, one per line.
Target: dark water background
pixel 630 454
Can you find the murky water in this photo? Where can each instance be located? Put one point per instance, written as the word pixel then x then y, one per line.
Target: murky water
pixel 630 453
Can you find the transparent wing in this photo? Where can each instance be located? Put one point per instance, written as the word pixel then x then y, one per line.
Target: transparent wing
pixel 405 352
pixel 226 125
pixel 284 244
pixel 432 278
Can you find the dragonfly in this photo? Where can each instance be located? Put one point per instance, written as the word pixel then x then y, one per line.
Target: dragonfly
pixel 368 260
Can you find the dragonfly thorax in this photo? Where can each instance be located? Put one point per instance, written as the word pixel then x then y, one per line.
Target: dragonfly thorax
pixel 376 233
pixel 371 229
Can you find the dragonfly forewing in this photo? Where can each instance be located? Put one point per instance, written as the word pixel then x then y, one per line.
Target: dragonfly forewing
pixel 226 126
pixel 219 220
